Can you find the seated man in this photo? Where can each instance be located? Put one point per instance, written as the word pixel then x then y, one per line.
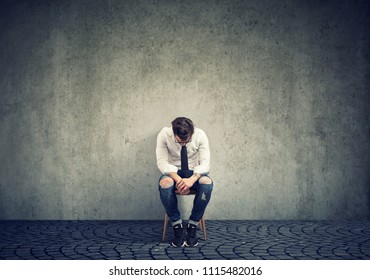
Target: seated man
pixel 183 157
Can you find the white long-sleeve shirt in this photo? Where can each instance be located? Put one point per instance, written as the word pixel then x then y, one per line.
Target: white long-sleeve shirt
pixel 168 152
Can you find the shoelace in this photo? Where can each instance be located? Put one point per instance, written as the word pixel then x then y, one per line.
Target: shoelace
pixel 178 229
pixel 192 230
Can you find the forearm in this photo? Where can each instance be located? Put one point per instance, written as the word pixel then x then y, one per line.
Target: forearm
pixel 182 182
pixel 175 176
pixel 195 177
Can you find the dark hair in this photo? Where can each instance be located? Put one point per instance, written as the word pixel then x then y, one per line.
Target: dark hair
pixel 183 127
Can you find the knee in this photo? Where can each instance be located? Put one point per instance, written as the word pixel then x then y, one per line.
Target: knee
pixel 205 180
pixel 166 183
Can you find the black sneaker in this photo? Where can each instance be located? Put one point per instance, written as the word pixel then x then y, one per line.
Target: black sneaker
pixel 177 240
pixel 192 239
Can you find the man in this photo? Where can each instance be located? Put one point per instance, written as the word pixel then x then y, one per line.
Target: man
pixel 183 157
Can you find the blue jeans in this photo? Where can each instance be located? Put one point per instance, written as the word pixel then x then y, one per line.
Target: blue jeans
pixel 201 199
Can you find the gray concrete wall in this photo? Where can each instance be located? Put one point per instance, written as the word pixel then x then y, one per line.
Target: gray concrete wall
pixel 280 87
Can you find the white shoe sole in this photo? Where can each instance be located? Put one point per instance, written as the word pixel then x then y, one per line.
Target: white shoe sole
pixel 183 244
pixel 187 245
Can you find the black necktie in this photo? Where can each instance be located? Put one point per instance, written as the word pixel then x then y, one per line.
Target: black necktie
pixel 184 158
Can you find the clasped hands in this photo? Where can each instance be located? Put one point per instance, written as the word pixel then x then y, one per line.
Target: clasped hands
pixel 183 185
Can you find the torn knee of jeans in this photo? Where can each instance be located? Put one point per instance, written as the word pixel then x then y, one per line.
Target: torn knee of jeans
pixel 166 183
pixel 205 180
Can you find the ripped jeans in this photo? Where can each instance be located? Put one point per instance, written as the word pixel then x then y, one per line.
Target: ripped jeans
pixel 201 199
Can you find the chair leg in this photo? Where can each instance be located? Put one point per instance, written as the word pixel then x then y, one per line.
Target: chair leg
pixel 165 226
pixel 203 227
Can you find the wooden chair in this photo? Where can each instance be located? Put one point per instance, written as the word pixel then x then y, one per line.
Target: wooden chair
pixel 202 223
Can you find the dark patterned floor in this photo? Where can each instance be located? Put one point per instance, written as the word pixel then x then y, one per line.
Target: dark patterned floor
pixel 253 240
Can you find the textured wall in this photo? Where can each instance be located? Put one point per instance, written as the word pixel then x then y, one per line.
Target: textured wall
pixel 280 87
